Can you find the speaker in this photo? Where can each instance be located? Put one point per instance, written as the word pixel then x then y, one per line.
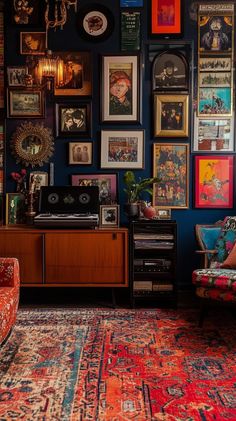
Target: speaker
pixel 69 199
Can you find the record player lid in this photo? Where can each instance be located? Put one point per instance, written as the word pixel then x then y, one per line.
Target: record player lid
pixel 69 199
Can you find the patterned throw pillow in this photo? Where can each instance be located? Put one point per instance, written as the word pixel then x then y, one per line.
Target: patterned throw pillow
pixel 230 261
pixel 226 239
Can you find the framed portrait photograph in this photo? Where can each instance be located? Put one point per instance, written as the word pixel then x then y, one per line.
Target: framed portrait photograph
pixel 166 18
pixel 37 179
pixel 122 149
pixel 163 213
pixel 215 64
pixel 171 165
pixel 16 75
pixel 95 22
pixel 214 101
pixel 120 94
pixel 23 103
pixel 213 134
pixel 214 181
pixel 171 115
pixel 73 119
pixel 33 43
pixel 74 73
pixel 215 32
pixel 80 153
pixel 15 209
pixel 107 183
pixel 109 216
pixel 170 70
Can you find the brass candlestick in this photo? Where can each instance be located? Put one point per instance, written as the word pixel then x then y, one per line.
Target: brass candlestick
pixel 30 214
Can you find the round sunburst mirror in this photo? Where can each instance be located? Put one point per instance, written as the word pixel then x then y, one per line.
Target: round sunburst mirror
pixel 32 144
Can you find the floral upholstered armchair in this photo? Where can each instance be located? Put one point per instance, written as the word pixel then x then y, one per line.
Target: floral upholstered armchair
pixel 9 294
pixel 217 278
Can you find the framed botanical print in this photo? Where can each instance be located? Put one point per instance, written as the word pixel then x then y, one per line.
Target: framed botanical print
pixel 213 134
pixel 107 183
pixel 171 165
pixel 74 73
pixel 33 43
pixel 170 70
pixel 15 209
pixel 120 89
pixel 109 216
pixel 214 181
pixel 166 18
pixel 80 153
pixel 24 103
pixel 122 149
pixel 171 118
pixel 73 119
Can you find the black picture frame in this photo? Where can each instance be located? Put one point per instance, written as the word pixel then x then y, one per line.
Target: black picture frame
pixel 95 22
pixel 170 71
pixel 73 119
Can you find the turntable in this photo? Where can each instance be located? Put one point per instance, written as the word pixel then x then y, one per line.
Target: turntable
pixel 68 206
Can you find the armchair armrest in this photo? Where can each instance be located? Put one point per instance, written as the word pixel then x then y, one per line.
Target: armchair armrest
pixel 205 256
pixel 207 251
pixel 9 272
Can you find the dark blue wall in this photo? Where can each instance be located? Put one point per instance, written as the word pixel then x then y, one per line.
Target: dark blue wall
pixel 69 39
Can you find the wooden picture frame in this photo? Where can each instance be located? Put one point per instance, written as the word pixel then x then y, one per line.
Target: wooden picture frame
pixel 214 181
pixel 171 115
pixel 23 103
pixel 171 165
pixel 16 75
pixel 15 209
pixel 107 183
pixel 122 149
pixel 37 179
pixel 33 43
pixel 170 71
pixel 74 73
pixel 213 135
pixel 166 18
pixel 73 119
pixel 163 213
pixel 109 216
pixel 80 153
pixel 120 96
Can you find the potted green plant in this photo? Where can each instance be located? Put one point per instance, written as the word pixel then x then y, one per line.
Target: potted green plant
pixel 134 187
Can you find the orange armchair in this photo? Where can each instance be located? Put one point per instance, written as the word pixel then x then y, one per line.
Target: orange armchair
pixel 9 294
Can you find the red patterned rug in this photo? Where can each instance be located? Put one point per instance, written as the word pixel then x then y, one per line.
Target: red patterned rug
pixel 118 365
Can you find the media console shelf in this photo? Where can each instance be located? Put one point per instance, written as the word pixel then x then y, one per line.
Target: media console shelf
pixel 153 268
pixel 68 257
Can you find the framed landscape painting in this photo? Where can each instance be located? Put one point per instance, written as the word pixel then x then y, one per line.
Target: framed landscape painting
pixel 171 165
pixel 214 181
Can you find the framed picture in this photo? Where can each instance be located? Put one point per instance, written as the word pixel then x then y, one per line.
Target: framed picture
pixel 107 183
pixel 37 179
pixel 33 43
pixel 24 103
pixel 16 75
pixel 27 13
pixel 122 149
pixel 109 216
pixel 74 74
pixel 120 89
pixel 166 18
pixel 214 181
pixel 73 119
pixel 213 79
pixel 171 117
pixel 170 70
pixel 215 64
pixel 80 153
pixel 95 22
pixel 130 32
pixel 214 101
pixel 213 134
pixel 171 165
pixel 163 213
pixel 15 209
pixel 215 32
pixel 131 3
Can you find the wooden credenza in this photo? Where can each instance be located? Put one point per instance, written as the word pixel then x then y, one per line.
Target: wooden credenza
pixel 68 257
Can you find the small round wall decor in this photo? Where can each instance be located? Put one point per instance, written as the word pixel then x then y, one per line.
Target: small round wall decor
pixel 95 22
